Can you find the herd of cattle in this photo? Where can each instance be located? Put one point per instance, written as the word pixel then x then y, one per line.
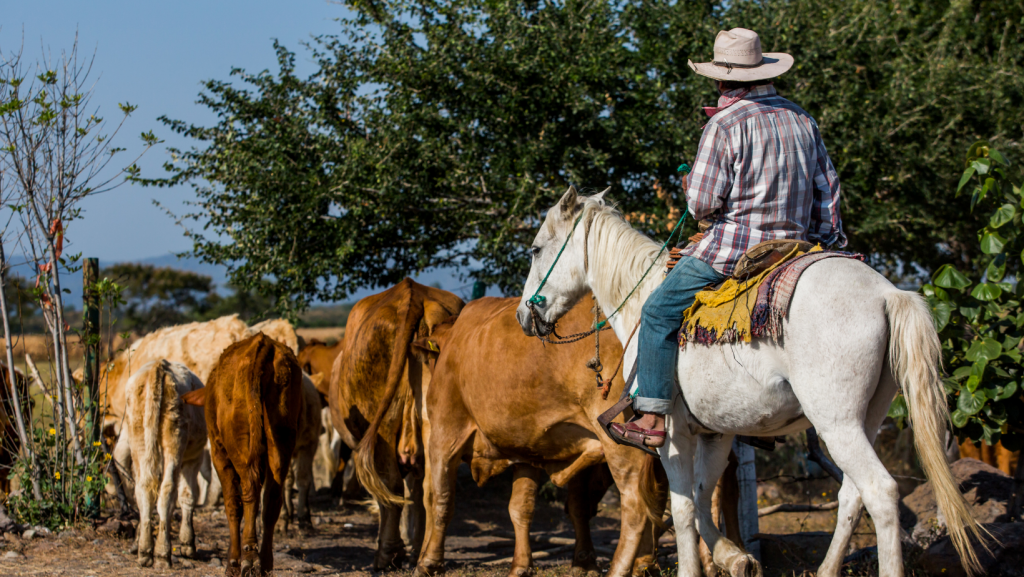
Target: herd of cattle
pixel 420 383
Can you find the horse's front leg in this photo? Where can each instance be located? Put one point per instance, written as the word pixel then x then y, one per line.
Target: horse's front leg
pixel 677 458
pixel 711 460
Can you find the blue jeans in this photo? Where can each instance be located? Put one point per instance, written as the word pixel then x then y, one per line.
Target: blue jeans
pixel 659 328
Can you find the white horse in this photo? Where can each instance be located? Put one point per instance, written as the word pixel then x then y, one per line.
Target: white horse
pixel 850 339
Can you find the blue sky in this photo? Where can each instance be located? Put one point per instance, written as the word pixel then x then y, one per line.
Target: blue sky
pixel 154 55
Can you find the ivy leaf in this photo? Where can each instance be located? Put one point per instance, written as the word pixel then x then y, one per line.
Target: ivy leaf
pixel 986 350
pixel 965 178
pixel 998 157
pixel 987 292
pixel 948 277
pixel 970 313
pixel 1005 392
pixel 959 418
pixel 941 312
pixel 969 403
pixel 996 270
pixel 992 243
pixel 1002 215
pixel 898 408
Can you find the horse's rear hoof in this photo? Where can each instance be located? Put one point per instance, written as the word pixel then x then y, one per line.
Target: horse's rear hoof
pixel 520 572
pixel 745 566
pixel 427 570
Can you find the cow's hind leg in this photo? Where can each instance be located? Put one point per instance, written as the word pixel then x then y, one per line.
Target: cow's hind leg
pixel 443 461
pixel 231 486
pixel 520 509
pixel 165 505
pixel 286 498
pixel 188 490
pixel 144 500
pixel 414 514
pixel 303 472
pixel 390 548
pixel 585 492
pixel 279 456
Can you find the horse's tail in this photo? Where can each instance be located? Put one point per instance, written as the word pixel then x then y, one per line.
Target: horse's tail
pixel 651 493
pixel 409 315
pixel 915 357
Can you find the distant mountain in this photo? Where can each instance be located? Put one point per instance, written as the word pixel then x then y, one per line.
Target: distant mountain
pixel 446 278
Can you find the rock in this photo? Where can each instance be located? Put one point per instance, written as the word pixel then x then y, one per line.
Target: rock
pixel 794 552
pixel 29 535
pixel 986 489
pixel 215 562
pixel 941 558
pixel 117 528
pixel 11 555
pixel 768 491
pixel 186 564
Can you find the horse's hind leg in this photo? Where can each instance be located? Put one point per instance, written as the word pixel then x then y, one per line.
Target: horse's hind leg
pixel 520 509
pixel 712 459
pixel 849 497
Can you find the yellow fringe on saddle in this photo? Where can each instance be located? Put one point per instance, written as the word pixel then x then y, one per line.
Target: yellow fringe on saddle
pixel 723 314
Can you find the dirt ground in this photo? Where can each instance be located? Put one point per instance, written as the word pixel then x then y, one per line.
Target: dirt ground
pixel 344 537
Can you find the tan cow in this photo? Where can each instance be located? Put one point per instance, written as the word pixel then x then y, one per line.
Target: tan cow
pixel 300 475
pixel 371 381
pixel 253 401
pixel 499 399
pixel 165 437
pixel 10 439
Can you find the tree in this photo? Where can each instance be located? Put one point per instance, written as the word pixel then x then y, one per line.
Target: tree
pixel 158 297
pixel 55 151
pixel 436 134
pixel 979 319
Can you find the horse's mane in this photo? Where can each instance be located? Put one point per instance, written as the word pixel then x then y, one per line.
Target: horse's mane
pixel 622 254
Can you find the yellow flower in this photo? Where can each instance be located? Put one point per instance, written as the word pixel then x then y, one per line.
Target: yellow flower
pixel 88 478
pixel 56 475
pixel 106 456
pixel 96 443
pixel 53 431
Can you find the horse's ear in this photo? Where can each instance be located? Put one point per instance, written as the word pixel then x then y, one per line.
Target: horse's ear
pixel 600 196
pixel 567 206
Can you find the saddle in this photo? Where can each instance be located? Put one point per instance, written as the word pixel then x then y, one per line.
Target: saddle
pixel 755 260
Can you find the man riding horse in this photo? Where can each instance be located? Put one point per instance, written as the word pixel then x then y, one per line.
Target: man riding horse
pixel 761 173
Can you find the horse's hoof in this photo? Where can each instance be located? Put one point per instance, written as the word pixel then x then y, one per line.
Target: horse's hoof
pixel 520 572
pixel 388 561
pixel 745 566
pixel 187 551
pixel 145 561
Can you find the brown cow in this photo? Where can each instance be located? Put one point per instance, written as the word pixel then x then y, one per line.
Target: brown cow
pixel 318 357
pixel 996 455
pixel 371 380
pixel 498 399
pixel 300 475
pixel 253 404
pixel 10 440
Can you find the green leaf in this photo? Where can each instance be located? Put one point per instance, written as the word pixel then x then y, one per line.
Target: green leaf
pixel 982 165
pixel 948 277
pixel 996 270
pixel 1002 215
pixel 998 157
pixel 941 312
pixel 965 178
pixel 970 313
pixel 987 292
pixel 959 418
pixel 969 403
pixel 898 409
pixel 1013 354
pixel 931 290
pixel 1005 392
pixel 986 350
pixel 992 243
pixel 962 372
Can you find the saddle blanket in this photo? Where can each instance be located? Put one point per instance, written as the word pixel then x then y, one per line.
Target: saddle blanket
pixel 741 310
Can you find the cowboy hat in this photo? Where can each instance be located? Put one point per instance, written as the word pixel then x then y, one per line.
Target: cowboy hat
pixel 738 58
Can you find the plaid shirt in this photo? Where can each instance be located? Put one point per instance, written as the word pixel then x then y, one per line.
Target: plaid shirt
pixel 761 173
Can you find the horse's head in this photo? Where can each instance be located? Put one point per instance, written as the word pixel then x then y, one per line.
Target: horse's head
pixel 566 275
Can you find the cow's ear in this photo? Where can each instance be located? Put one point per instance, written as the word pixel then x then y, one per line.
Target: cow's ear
pixel 426 349
pixel 196 397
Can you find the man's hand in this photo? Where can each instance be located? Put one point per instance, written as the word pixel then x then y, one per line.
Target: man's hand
pixel 686 182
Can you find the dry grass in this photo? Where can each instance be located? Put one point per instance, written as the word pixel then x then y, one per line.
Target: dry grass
pixel 326 334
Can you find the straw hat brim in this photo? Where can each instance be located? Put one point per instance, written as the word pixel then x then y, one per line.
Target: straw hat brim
pixel 774 64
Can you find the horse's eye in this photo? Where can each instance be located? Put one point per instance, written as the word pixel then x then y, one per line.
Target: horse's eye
pixel 534 250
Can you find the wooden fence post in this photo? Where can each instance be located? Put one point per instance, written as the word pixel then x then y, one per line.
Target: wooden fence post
pixel 746 475
pixel 91 366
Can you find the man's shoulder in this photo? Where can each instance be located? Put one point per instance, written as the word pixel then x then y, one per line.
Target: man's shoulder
pixel 745 109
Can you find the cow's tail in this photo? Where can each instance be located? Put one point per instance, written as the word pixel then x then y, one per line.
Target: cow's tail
pixel 264 356
pixel 651 493
pixel 366 468
pixel 151 460
pixel 915 356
